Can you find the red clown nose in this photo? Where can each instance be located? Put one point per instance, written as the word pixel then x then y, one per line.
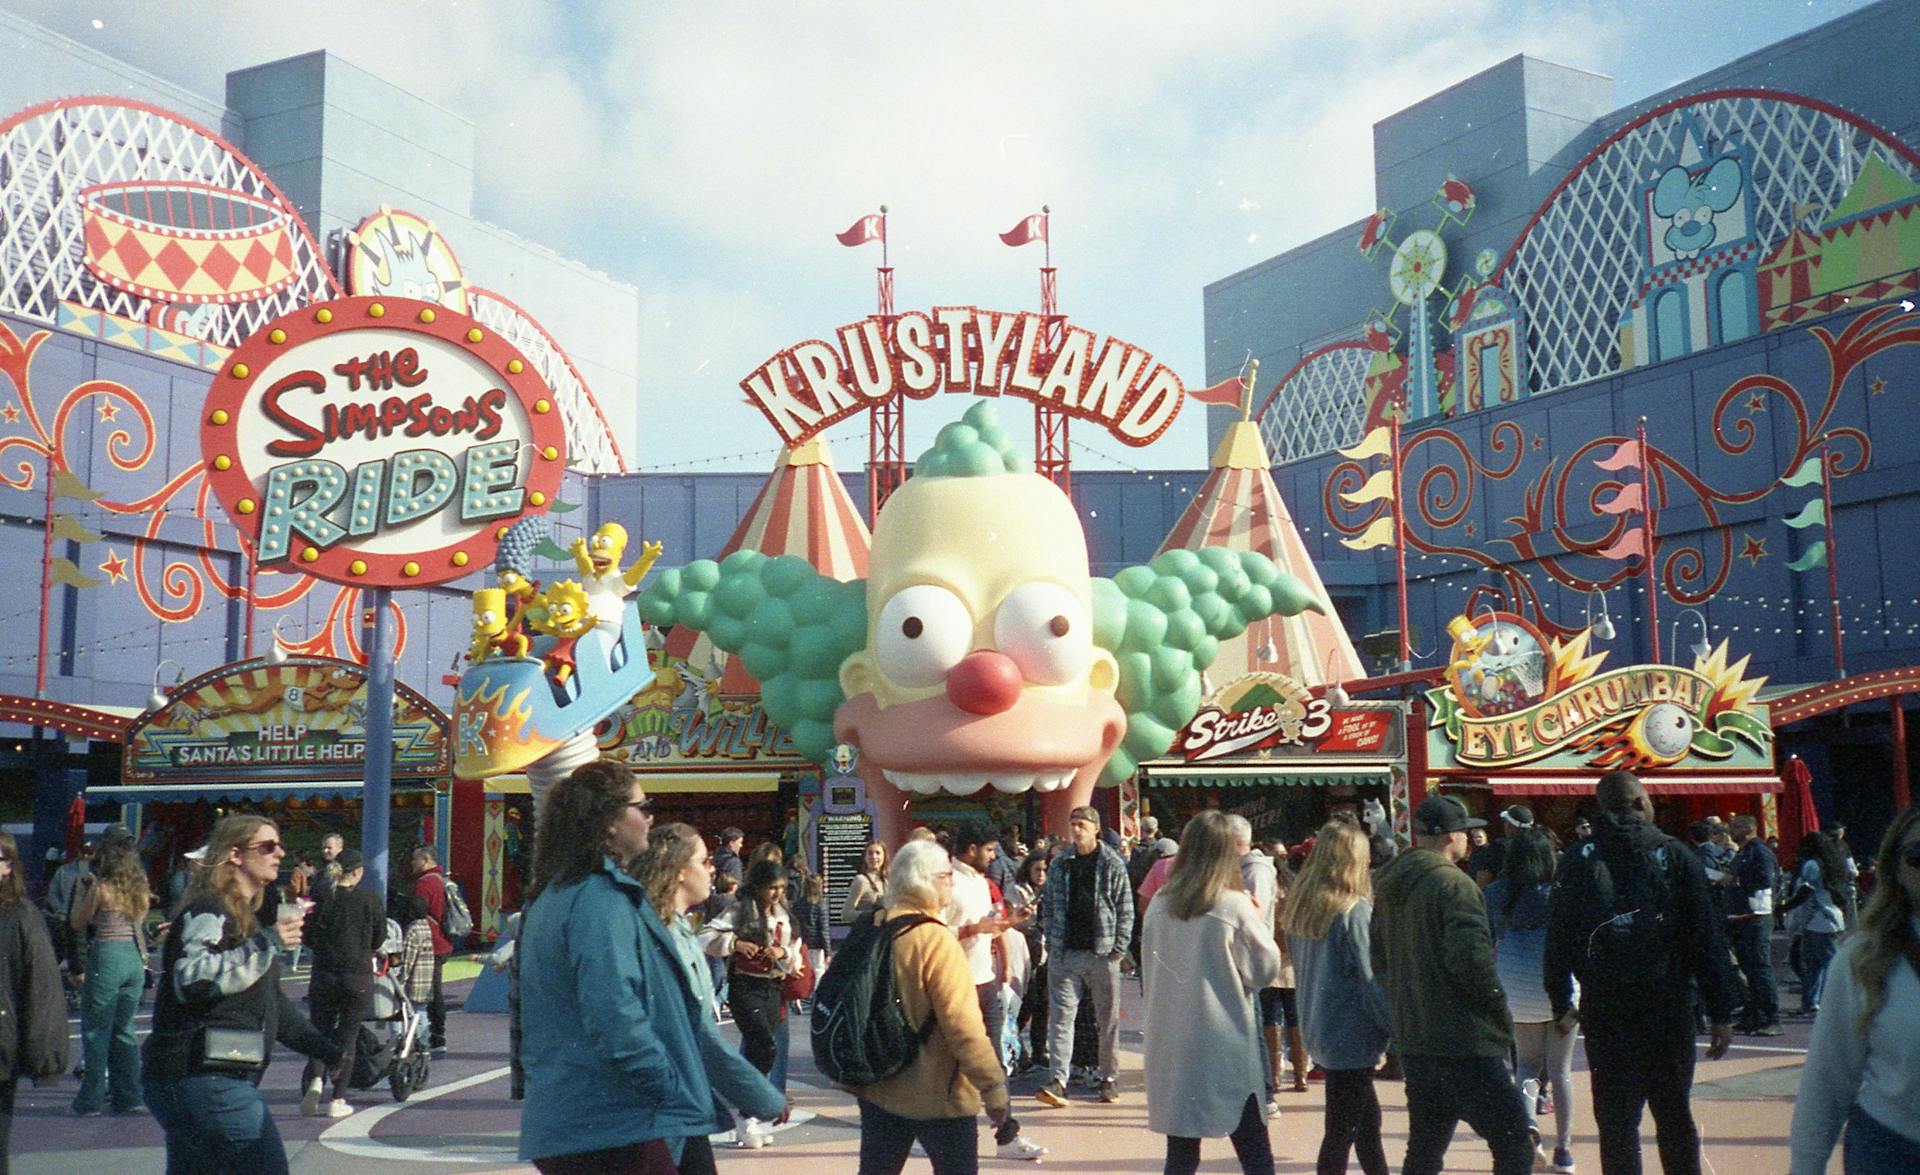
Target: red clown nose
pixel 985 682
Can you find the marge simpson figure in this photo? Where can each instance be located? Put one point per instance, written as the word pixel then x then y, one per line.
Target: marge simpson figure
pixel 598 560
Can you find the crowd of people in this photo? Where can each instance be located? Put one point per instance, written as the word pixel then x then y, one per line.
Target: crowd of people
pixel 1467 966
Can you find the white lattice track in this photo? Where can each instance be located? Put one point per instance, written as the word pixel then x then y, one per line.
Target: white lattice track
pixel 1321 406
pixel 1574 271
pixel 49 156
pixel 591 447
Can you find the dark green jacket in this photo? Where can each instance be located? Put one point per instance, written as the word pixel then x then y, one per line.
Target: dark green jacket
pixel 1433 955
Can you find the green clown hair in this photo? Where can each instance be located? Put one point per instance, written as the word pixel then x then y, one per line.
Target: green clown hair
pixel 1164 623
pixel 790 626
pixel 973 446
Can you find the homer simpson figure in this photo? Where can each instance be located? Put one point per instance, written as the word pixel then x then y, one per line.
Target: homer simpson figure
pixel 598 561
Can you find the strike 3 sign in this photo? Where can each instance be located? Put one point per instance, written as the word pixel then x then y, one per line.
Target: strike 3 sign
pixel 381 442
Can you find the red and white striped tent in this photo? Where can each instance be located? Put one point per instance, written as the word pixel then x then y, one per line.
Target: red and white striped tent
pixel 803 510
pixel 1239 507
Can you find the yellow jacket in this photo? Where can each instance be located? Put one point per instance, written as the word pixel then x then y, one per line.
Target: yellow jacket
pixel 957 1069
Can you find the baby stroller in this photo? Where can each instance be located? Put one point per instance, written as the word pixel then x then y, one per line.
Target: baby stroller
pixel 392 1044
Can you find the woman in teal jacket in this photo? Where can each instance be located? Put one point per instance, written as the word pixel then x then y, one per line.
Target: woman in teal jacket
pixel 623 1064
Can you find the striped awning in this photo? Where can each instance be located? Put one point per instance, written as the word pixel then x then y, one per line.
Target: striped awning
pixel 236 792
pixel 1271 775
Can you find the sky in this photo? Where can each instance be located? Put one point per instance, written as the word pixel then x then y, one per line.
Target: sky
pixel 706 152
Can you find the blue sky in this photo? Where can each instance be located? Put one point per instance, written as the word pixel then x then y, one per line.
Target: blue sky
pixel 706 152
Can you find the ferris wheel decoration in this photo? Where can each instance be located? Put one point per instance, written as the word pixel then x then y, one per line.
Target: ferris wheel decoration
pixel 1415 270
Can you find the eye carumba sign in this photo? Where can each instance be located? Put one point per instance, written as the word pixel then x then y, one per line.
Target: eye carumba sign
pixel 808 387
pixel 382 442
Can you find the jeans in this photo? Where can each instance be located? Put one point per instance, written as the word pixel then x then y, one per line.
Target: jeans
pixel 952 1144
pixel 1816 951
pixel 1033 1013
pixel 782 1043
pixel 437 1007
pixel 1753 949
pixel 635 1158
pixel 1250 1145
pixel 1070 974
pixel 1544 1055
pixel 1352 1124
pixel 216 1125
pixel 1631 1070
pixel 993 1013
pixel 756 1012
pixel 1872 1149
pixel 1443 1091
pixel 115 977
pixel 340 1003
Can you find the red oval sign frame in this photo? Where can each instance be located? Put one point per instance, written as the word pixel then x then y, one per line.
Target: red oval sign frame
pixel 234 393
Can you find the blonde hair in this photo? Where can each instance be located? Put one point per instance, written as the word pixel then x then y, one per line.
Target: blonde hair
pixel 221 876
pixel 1208 864
pixel 1333 879
pixel 1883 924
pixel 670 849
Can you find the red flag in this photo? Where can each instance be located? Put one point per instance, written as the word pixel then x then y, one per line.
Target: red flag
pixel 867 228
pixel 1226 393
pixel 1033 228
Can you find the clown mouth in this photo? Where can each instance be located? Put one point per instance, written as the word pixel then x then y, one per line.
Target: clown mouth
pixel 966 783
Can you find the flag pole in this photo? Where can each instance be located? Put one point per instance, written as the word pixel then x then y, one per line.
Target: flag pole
pixel 1247 383
pixel 46 587
pixel 1646 560
pixel 1833 559
pixel 1400 546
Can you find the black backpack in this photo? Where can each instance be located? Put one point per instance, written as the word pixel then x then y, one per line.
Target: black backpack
pixel 1630 922
pixel 860 1031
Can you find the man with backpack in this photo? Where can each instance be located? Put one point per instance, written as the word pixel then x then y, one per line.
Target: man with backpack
pixel 430 886
pixel 1630 916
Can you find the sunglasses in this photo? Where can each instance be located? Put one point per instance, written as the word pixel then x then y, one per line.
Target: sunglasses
pixel 265 848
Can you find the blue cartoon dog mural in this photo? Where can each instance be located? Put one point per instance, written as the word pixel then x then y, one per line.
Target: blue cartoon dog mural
pixel 1690 203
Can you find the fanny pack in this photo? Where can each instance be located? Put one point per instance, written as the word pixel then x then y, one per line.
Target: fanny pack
pixel 234 1048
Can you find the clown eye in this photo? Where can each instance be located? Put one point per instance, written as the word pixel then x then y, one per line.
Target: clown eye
pixel 1046 630
pixel 923 631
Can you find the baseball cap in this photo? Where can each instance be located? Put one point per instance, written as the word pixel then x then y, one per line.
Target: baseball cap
pixel 1439 815
pixel 349 860
pixel 1518 816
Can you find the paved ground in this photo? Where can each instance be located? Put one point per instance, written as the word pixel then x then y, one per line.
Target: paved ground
pixel 463 1122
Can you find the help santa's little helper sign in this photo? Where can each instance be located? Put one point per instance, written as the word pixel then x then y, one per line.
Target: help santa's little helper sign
pixel 381 442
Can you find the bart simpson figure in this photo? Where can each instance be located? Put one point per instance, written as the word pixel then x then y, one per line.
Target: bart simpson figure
pixel 568 617
pixel 493 628
pixel 598 560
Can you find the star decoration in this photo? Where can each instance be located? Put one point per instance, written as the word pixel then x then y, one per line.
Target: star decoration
pixel 1472 530
pixel 1877 385
pixel 107 410
pixel 115 567
pixel 1753 550
pixel 9 413
pixel 1756 403
pixel 1539 442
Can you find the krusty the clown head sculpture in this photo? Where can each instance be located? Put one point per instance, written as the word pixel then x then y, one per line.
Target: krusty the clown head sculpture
pixel 980 652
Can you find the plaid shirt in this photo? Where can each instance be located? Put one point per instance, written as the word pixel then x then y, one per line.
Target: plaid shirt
pixel 1112 903
pixel 416 961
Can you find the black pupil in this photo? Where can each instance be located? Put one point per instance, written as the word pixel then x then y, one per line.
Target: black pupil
pixel 1058 626
pixel 912 627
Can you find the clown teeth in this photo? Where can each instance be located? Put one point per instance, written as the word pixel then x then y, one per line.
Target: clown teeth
pixel 966 783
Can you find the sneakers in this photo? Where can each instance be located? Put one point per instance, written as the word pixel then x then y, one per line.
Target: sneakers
pixel 338 1108
pixel 1768 1030
pixel 1540 1160
pixel 752 1134
pixel 1109 1092
pixel 1020 1147
pixel 1273 1107
pixel 1051 1094
pixel 1563 1160
pixel 1543 1105
pixel 310 1100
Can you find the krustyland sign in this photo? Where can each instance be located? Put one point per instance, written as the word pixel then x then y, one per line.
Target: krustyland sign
pixel 300 720
pixel 811 386
pixel 1512 697
pixel 380 442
